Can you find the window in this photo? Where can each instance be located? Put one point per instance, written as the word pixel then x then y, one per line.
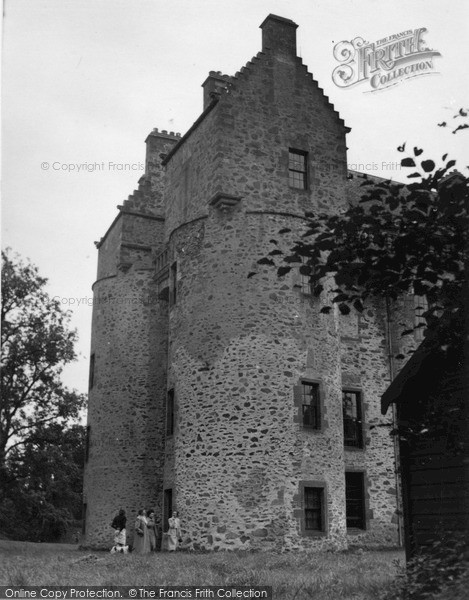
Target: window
pixel 420 323
pixel 84 511
pixel 87 442
pixel 167 508
pixel 355 500
pixel 313 508
pixel 170 412
pixel 297 170
pixel 173 282
pixel 91 377
pixel 352 413
pixel 306 271
pixel 310 405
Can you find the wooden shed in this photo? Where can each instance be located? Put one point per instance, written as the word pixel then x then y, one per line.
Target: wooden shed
pixel 431 394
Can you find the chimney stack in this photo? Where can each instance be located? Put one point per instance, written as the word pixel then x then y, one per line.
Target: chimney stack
pixel 279 35
pixel 214 86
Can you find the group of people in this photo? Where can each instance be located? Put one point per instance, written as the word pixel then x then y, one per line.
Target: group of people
pixel 145 533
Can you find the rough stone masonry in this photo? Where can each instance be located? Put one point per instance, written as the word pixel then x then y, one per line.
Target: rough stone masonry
pixel 230 398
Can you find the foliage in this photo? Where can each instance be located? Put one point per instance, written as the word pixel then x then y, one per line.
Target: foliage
pixel 398 238
pixel 41 443
pixel 441 571
pixel 36 344
pixel 43 487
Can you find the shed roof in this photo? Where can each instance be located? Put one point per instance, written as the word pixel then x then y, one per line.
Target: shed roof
pixel 442 344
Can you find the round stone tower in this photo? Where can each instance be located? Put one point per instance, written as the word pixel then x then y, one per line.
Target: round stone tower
pixel 127 388
pixel 248 352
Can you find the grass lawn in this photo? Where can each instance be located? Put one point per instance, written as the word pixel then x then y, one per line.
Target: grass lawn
pixel 327 576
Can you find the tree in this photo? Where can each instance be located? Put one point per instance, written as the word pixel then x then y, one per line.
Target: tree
pixel 399 238
pixel 42 496
pixel 41 441
pixel 36 344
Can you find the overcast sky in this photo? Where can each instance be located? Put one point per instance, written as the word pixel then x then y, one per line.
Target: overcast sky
pixel 86 81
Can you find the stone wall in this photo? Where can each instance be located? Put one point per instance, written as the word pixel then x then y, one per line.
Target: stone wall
pixel 237 341
pixel 238 347
pixel 366 368
pixel 126 408
pixel 126 403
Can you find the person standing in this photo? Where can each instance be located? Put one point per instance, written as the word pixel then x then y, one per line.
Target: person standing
pixel 118 524
pixel 151 526
pixel 174 532
pixel 141 537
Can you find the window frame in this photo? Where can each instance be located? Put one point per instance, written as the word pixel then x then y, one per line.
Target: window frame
pixel 321 486
pixel 173 283
pixel 169 428
pixel 363 502
pixel 87 443
pixel 306 285
pixel 295 171
pixel 84 514
pixel 358 422
pixel 91 375
pixel 318 417
pixel 168 501
pixel 420 323
pixel 313 498
pixel 298 404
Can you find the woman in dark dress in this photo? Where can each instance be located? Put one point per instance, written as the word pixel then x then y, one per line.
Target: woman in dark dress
pixel 151 526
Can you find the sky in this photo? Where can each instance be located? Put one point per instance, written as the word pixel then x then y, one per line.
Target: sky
pixel 85 81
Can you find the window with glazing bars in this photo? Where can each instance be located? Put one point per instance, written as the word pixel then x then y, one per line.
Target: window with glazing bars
pixel 352 413
pixel 311 405
pixel 170 412
pixel 313 508
pixel 297 170
pixel 173 283
pixel 91 376
pixel 355 500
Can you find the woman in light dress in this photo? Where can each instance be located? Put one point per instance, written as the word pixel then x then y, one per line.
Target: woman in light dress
pixel 174 532
pixel 141 536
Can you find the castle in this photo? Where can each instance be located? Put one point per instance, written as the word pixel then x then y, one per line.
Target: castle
pixel 233 398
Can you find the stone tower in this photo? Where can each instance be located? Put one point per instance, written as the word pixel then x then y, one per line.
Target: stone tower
pixel 238 401
pixel 127 386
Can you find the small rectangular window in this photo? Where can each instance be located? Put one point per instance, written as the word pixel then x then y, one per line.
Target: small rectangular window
pixel 355 500
pixel 313 509
pixel 170 412
pixel 83 518
pixel 91 376
pixel 420 322
pixel 87 442
pixel 297 169
pixel 352 414
pixel 306 270
pixel 167 507
pixel 173 283
pixel 311 409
